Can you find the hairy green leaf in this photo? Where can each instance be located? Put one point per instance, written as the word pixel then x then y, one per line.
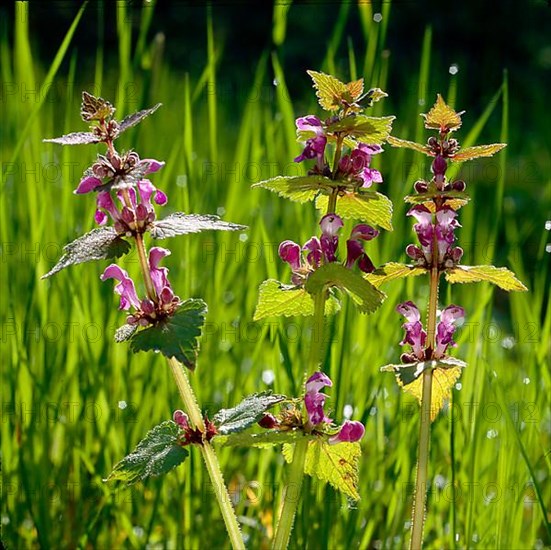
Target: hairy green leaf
pixel 246 413
pixel 136 118
pixel 477 151
pixel 397 142
pixel 499 276
pixel 182 224
pixel 330 91
pixel 372 130
pixel 177 336
pixel 99 244
pixel 442 116
pixel 157 453
pixel 452 199
pixel 392 271
pixel 95 108
pixel 366 206
pixel 364 295
pixel 74 138
pixel 298 188
pixel 275 298
pixel 125 332
pixel 334 464
pixel 264 439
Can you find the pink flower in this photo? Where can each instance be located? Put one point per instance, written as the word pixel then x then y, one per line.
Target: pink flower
pixel 350 431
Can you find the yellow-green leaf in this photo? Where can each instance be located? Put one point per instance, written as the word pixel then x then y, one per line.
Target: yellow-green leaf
pixel 445 373
pixel 298 188
pixel 333 464
pixel 369 129
pixel 391 271
pixel 442 116
pixel 275 298
pixel 374 95
pixel 366 297
pixel 477 151
pixel 397 142
pixel 330 90
pixel 355 88
pixel 499 276
pixel 369 206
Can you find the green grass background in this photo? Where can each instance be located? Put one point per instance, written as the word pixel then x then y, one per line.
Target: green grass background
pixel 64 380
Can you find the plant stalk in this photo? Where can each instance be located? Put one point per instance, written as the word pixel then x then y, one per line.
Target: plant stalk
pixel 420 491
pixel 144 264
pixel 293 488
pixel 209 455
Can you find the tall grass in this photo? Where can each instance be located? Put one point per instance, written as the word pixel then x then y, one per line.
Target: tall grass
pixel 74 402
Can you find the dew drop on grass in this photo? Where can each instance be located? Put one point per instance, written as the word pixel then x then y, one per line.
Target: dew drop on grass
pixel 347 411
pixel 122 405
pixel 373 411
pixel 458 386
pixel 508 342
pixel 440 481
pixel 181 181
pixel 220 211
pixel 5 520
pixel 492 434
pixel 268 376
pixel 377 17
pixel 243 237
pixel 526 380
pixel 138 531
pixel 275 82
pixel 548 225
pixel 454 68
pixel 548 248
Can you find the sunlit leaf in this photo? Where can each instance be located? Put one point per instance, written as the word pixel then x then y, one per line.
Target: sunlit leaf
pixel 355 88
pixel 135 118
pixel 397 142
pixel 366 206
pixel 368 129
pixel 267 438
pixel 391 271
pixel 246 413
pixel 329 90
pixel 275 298
pixel 125 332
pixel 333 464
pixel 374 95
pixel 177 336
pixel 99 244
pixel 179 223
pixel 477 151
pixel 157 453
pixel 95 108
pixel 442 116
pixel 75 138
pixel 452 199
pixel 445 373
pixel 298 188
pixel 499 276
pixel 364 295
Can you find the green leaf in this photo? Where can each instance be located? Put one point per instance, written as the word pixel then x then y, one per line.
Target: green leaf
pixel 95 108
pixel 275 298
pixel 366 206
pixel 124 333
pixel 264 439
pixel 177 336
pixel 298 188
pixel 477 151
pixel 333 464
pixel 366 297
pixel 372 130
pixel 246 413
pixel 445 373
pixel 397 142
pixel 499 276
pixel 330 91
pixel 392 271
pixel 182 224
pixel 99 244
pixel 136 118
pixel 157 453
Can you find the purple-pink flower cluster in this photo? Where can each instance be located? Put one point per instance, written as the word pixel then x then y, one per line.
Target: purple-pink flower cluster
pixel 319 251
pixel 415 336
pixel 151 309
pixel 314 401
pixel 436 234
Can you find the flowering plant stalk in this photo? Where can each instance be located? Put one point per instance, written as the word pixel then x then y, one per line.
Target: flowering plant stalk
pixel 427 371
pixel 158 320
pixel 341 188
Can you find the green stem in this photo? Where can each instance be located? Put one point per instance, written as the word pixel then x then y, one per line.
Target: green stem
pixel 209 455
pixel 144 265
pixel 420 492
pixel 292 491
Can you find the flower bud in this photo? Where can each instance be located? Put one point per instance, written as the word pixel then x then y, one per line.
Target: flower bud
pixel 459 185
pixel 421 186
pixel 268 421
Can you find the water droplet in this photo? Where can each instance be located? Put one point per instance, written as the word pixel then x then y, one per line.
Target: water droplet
pixel 456 537
pixel 243 237
pixel 268 377
pixel 122 405
pixel 475 537
pixel 5 520
pixel 454 68
pixel 440 481
pixel 548 225
pixel 373 411
pixel 220 211
pixel 181 181
pixel 138 531
pixel 275 82
pixel 377 17
pixel 347 411
pixel 548 248
pixel 421 102
pixel 508 342
pixel 494 373
pixel 492 434
pixel 526 380
pixel 458 386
